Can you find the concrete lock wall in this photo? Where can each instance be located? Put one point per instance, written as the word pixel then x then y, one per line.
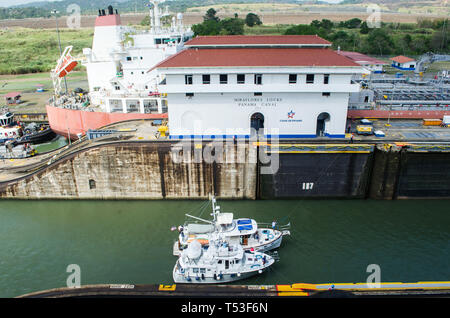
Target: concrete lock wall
pixel 142 171
pixel 163 170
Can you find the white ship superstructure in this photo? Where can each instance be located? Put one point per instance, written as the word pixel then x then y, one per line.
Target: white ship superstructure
pixel 118 63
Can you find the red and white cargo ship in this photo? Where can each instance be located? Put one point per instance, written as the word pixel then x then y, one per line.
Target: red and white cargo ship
pixel 120 86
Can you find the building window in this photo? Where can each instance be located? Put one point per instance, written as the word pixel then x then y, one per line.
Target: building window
pixel 128 58
pixel 241 78
pixel 309 78
pixel 326 94
pixel 117 88
pixel 326 78
pixel 188 79
pixel 258 94
pixel 142 72
pixel 258 79
pixel 223 79
pixel 92 184
pixel 292 78
pixel 206 79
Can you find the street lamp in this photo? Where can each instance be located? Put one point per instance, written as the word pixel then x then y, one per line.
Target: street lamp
pixel 59 42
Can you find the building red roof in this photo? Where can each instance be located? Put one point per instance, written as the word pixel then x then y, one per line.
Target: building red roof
pixel 253 57
pixel 230 40
pixel 361 58
pixel 402 59
pixel 12 95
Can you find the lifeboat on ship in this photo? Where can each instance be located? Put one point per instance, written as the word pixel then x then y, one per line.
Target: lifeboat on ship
pixel 66 64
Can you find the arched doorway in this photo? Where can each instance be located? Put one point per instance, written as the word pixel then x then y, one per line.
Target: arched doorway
pixel 322 121
pixel 257 122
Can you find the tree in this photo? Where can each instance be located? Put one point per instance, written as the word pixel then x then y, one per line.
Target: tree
pixel 232 26
pixel 301 29
pixel 353 23
pixel 211 15
pixel 380 42
pixel 252 19
pixel 209 27
pixel 364 29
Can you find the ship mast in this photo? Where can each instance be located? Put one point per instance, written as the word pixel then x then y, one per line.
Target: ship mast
pixel 156 14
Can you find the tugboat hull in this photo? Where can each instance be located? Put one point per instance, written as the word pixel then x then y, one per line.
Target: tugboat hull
pixel 226 278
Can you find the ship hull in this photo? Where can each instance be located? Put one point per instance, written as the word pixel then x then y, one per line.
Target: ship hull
pixel 404 114
pixel 69 123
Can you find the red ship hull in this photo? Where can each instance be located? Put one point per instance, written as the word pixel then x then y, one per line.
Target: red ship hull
pixel 405 114
pixel 69 123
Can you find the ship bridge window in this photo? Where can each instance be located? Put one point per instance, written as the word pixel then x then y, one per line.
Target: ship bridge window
pixel 309 78
pixel 188 79
pixel 326 78
pixel 326 94
pixel 128 58
pixel 241 78
pixel 206 79
pixel 158 41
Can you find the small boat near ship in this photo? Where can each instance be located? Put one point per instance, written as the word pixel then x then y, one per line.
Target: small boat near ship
pixel 36 134
pixel 242 231
pixel 218 262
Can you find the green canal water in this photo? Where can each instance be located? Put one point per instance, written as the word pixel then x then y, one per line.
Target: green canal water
pixel 130 241
pixel 56 143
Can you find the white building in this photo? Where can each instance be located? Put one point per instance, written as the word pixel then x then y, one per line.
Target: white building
pixel 288 86
pixel 404 63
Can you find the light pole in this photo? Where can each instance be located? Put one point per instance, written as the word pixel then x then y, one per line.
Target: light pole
pixel 59 42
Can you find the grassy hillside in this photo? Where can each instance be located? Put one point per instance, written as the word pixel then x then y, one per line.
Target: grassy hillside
pixel 32 50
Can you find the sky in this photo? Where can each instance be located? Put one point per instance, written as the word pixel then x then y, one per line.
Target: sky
pixel 7 3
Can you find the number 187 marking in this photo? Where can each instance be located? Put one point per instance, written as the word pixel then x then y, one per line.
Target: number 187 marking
pixel 308 185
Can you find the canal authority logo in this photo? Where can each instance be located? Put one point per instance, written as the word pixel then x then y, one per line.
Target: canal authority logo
pixel 290 118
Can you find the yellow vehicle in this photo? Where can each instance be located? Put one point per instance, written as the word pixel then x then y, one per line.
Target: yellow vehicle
pixel 364 130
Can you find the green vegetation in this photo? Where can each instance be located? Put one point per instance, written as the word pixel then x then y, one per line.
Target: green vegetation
pixel 388 39
pixel 32 51
pixel 252 19
pixel 212 25
pixel 21 13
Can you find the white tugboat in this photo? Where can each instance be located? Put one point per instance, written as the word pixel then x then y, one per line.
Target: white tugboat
pixel 244 232
pixel 9 130
pixel 219 262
